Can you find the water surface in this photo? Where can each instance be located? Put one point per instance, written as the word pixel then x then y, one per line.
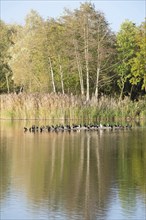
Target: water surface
pixel 76 175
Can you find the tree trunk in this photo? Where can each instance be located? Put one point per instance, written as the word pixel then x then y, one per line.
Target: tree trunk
pixel 61 75
pixel 86 58
pixel 62 83
pixel 98 65
pixel 121 94
pixel 7 81
pixel 145 82
pixel 79 69
pixel 97 83
pixel 131 91
pixel 52 76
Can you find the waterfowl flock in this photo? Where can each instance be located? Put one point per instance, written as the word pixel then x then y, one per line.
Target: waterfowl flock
pixel 75 127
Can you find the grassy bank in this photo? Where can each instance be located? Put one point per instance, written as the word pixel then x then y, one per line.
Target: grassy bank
pixel 65 107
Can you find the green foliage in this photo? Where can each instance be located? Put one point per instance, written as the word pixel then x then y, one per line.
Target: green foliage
pixel 76 53
pixel 28 63
pixel 6 82
pixel 126 46
pixel 138 63
pixel 131 44
pixel 90 44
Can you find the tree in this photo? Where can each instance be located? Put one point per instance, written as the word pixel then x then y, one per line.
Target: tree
pixel 126 47
pixel 29 63
pixel 6 80
pixel 71 54
pixel 90 46
pixel 55 46
pixel 138 63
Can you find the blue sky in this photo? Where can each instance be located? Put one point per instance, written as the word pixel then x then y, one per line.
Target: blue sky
pixel 116 11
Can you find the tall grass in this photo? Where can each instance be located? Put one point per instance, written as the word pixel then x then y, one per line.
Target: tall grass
pixel 69 107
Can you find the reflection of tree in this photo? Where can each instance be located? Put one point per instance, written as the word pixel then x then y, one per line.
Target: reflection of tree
pixel 132 168
pixel 74 172
pixel 57 168
pixel 99 174
pixel 62 159
pixel 81 165
pixel 5 169
pixel 87 181
pixel 53 159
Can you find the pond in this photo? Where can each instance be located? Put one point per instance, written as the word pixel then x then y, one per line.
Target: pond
pixel 72 175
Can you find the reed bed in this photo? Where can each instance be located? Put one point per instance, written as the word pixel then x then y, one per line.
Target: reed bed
pixel 68 107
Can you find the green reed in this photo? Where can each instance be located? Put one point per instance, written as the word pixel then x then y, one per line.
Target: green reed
pixel 69 107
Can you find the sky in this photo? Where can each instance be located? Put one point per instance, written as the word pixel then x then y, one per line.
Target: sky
pixel 116 11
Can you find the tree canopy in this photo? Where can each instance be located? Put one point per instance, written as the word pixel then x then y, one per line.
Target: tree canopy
pixel 76 53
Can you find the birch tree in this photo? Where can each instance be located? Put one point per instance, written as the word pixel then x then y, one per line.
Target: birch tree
pixel 92 45
pixel 55 48
pixel 28 61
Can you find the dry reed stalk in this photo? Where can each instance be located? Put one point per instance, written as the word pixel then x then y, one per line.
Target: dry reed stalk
pixel 63 106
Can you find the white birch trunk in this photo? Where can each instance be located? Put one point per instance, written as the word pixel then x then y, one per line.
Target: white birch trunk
pixel 86 60
pixel 52 76
pixel 61 75
pixel 97 83
pixel 79 69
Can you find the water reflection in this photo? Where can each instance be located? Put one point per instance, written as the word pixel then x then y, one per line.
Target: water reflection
pixel 77 175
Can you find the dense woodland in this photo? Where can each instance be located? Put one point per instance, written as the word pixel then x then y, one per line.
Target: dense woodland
pixel 76 53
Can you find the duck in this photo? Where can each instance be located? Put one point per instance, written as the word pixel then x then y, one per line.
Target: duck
pixel 76 127
pixel 25 129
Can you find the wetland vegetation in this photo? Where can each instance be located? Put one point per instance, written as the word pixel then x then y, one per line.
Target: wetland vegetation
pixel 72 67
